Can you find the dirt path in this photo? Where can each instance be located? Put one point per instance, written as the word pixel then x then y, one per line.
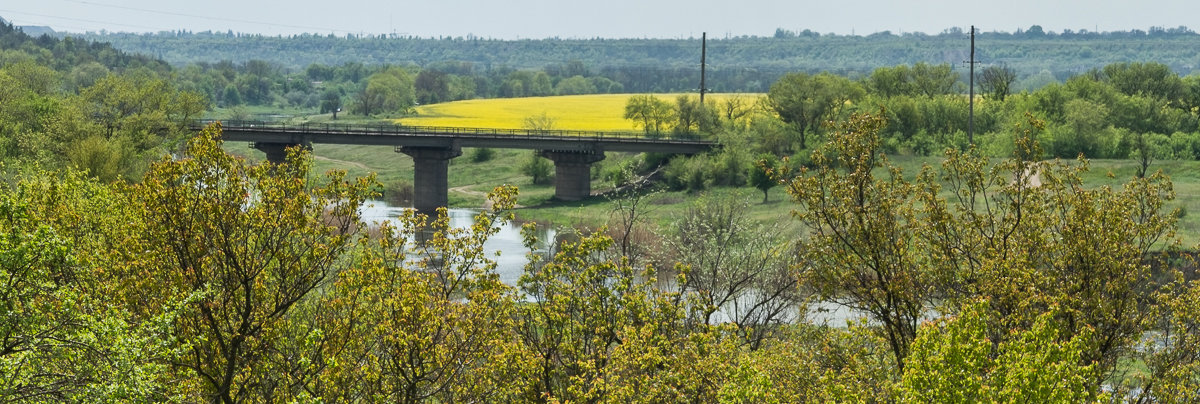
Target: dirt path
pixel 354 164
pixel 487 204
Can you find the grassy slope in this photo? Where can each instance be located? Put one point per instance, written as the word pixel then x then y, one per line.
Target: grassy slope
pixel 603 112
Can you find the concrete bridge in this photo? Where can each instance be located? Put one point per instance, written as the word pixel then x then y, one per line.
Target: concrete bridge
pixel 431 149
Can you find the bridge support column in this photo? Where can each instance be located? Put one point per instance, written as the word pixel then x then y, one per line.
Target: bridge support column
pixel 572 173
pixel 431 166
pixel 277 152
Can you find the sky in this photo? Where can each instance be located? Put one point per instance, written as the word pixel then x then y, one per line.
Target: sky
pixel 537 19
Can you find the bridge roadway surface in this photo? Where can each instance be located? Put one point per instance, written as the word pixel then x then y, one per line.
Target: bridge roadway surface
pixel 429 136
pixel 431 148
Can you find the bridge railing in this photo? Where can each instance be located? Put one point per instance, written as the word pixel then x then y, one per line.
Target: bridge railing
pixel 390 129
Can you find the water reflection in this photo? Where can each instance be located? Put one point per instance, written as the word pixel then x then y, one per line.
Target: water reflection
pixel 510 263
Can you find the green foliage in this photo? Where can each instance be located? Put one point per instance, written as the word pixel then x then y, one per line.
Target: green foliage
pixel 387 92
pixel 954 361
pixel 862 251
pixel 248 244
pixel 806 102
pixel 539 169
pixel 649 112
pixel 764 174
pixel 482 154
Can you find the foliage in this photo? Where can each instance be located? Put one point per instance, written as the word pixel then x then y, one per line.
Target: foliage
pixel 763 174
pixel 248 244
pixel 806 102
pixel 862 251
pixel 1028 236
pixel 649 112
pixel 539 169
pixel 954 361
pixel 731 270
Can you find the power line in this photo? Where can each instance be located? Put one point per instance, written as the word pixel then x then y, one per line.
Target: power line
pixel 177 14
pixel 75 19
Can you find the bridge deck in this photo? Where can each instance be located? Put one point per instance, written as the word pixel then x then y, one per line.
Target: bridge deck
pixel 427 136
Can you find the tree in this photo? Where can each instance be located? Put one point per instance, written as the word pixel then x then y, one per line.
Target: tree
pixel 863 252
pixel 694 116
pixel 805 101
pixel 649 112
pixel 954 361
pixel 389 91
pixel 575 85
pixel 733 269
pixel 1153 80
pixel 932 81
pixel 539 169
pixel 891 81
pixel 764 174
pixel 997 81
pixel 331 102
pixel 432 87
pixel 242 246
pixel 1028 236
pixel 426 316
pixel 68 333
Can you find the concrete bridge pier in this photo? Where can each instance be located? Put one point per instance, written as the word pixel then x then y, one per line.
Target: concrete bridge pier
pixel 277 152
pixel 430 168
pixel 572 173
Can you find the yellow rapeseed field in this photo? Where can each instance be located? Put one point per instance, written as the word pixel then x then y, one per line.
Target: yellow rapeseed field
pixel 600 112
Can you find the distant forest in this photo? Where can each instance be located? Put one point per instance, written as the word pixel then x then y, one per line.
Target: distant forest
pixel 735 64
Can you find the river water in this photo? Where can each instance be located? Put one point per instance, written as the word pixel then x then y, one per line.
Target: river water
pixel 511 258
pixel 507 242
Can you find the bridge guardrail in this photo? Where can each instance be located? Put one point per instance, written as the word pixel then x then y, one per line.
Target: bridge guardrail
pixel 382 129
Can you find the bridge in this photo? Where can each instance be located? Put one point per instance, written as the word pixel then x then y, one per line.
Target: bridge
pixel 431 149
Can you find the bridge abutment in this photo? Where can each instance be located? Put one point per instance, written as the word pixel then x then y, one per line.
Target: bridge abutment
pixel 572 173
pixel 431 166
pixel 277 152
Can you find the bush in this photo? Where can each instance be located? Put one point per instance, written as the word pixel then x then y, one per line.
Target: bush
pixel 482 154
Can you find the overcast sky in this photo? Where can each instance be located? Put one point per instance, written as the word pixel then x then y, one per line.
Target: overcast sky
pixel 510 19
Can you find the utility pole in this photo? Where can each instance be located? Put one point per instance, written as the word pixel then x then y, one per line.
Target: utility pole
pixel 971 117
pixel 703 51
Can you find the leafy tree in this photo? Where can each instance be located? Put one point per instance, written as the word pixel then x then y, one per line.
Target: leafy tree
pixel 930 81
pixel 763 174
pixel 806 101
pixel 649 112
pixel 67 335
pixel 539 169
pixel 389 91
pixel 1089 265
pixel 1154 80
pixel 891 81
pixel 575 85
pixel 428 317
pixel 863 252
pixel 432 87
pixel 954 361
pixel 997 81
pixel 331 102
pixel 694 116
pixel 244 245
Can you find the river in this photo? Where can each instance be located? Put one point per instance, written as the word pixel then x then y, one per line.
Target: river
pixel 507 242
pixel 511 259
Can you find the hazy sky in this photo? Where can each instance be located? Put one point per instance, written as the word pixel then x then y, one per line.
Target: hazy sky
pixel 509 19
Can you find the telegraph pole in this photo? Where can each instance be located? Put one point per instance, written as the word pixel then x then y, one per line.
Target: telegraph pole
pixel 971 117
pixel 703 51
